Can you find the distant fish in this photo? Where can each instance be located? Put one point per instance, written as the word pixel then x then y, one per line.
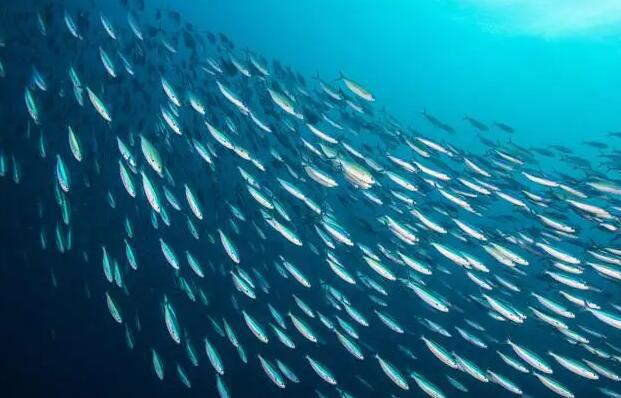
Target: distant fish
pixel 476 124
pixel 437 123
pixel 504 127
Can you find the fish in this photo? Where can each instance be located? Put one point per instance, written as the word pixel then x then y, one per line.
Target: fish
pixel 294 223
pixel 504 127
pixel 476 123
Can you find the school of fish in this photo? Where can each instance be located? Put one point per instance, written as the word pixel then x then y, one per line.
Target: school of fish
pixel 297 223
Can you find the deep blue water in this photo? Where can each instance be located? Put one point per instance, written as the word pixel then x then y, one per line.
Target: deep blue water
pixel 555 83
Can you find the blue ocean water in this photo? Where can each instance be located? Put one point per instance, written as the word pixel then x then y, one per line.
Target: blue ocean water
pixel 452 57
pixel 550 71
